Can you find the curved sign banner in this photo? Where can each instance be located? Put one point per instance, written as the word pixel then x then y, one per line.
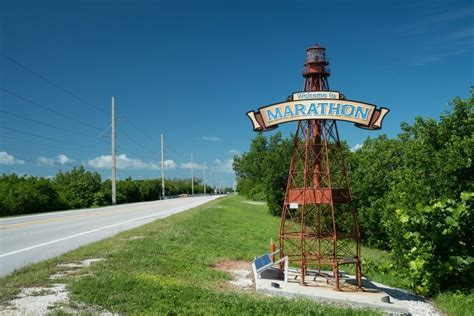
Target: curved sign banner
pixel 363 115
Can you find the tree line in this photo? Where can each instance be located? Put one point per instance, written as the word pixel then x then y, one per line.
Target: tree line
pixel 414 193
pixel 80 188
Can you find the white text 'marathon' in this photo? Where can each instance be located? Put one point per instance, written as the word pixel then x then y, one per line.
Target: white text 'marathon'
pixel 319 109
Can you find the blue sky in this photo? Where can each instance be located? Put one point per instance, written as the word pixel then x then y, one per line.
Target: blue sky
pixel 192 69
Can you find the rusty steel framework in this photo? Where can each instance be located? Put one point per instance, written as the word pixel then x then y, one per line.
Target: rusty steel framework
pixel 319 224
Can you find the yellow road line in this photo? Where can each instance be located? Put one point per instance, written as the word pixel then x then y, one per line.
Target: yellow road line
pixel 62 219
pixel 45 221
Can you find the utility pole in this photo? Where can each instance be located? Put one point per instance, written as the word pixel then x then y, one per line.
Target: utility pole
pixel 192 175
pixel 210 179
pixel 162 170
pixel 114 168
pixel 204 180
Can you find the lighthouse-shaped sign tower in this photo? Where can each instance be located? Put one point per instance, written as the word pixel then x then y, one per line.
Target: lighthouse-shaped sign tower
pixel 319 228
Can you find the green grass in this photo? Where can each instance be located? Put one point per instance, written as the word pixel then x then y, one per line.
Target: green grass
pixel 456 304
pixel 169 270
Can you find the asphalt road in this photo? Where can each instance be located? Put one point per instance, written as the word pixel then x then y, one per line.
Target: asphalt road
pixel 33 238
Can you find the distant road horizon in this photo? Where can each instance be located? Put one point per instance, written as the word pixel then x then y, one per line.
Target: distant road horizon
pixel 33 238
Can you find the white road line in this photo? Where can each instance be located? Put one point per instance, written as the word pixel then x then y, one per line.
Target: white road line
pixel 97 229
pixel 98 209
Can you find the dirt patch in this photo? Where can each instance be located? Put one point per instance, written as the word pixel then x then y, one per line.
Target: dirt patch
pixel 133 238
pixel 83 264
pixel 44 300
pixel 36 300
pixel 241 272
pixel 74 269
pixel 62 274
pixel 255 202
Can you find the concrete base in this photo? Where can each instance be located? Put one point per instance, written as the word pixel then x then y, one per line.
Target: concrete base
pixel 318 286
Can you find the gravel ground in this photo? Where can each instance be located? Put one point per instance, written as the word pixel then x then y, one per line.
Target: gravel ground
pixel 241 272
pixel 417 305
pixel 36 301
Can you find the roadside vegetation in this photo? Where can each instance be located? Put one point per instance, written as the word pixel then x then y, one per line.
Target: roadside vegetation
pixel 414 194
pixel 79 188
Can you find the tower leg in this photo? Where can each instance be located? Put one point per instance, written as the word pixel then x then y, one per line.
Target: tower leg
pixel 359 275
pixel 335 272
pixel 359 267
pixel 303 272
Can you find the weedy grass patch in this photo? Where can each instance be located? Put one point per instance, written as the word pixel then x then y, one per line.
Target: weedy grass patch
pixel 456 303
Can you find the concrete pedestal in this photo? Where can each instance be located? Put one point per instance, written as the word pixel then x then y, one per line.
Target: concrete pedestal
pixel 318 286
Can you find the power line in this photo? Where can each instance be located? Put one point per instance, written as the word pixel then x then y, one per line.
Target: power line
pixel 131 153
pixel 139 130
pixel 75 96
pixel 48 145
pixel 181 156
pixel 57 140
pixel 142 146
pixel 49 109
pixel 44 137
pixel 153 139
pixel 120 149
pixel 54 84
pixel 137 143
pixel 68 117
pixel 46 124
pixel 64 148
pixel 172 157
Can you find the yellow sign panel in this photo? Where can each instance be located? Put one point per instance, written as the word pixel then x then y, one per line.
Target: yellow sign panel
pixel 364 115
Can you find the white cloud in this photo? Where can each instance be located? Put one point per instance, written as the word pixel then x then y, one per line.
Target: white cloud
pixel 7 159
pixel 356 147
pixel 60 159
pixel 189 165
pixel 124 162
pixel 223 165
pixel 43 161
pixel 211 139
pixel 63 159
pixel 169 164
pixel 234 152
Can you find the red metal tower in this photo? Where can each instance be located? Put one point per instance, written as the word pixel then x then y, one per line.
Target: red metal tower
pixel 319 222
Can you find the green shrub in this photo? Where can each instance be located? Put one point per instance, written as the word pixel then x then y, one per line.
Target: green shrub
pixel 100 199
pixel 150 190
pixel 434 244
pixel 263 171
pixel 128 191
pixel 23 195
pixel 77 187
